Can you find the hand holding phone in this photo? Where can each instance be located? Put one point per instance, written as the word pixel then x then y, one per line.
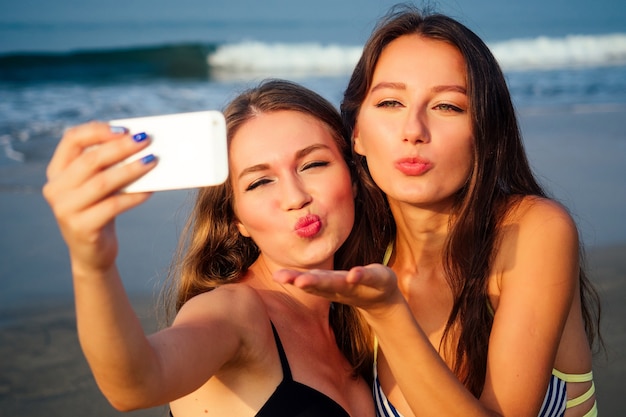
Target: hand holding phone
pixel 190 147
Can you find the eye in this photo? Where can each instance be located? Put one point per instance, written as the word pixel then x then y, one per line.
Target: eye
pixel 257 183
pixel 447 107
pixel 314 164
pixel 389 103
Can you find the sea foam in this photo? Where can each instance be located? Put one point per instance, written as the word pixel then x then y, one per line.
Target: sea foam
pixel 245 59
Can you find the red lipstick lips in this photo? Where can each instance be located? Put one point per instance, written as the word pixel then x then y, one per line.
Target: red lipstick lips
pixel 413 166
pixel 308 226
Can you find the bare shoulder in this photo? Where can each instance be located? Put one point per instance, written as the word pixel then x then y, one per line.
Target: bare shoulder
pixel 534 217
pixel 234 303
pixel 232 318
pixel 537 238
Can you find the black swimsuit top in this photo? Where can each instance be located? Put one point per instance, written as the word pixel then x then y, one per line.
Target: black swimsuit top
pixel 293 399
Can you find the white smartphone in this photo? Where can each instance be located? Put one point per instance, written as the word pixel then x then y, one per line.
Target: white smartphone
pixel 190 147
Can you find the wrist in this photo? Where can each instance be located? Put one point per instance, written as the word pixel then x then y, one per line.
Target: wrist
pixel 387 309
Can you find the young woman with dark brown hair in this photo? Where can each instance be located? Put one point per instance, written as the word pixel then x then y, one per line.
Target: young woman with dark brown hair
pixel 485 308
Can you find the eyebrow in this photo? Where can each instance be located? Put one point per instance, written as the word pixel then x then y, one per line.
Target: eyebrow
pixel 402 86
pixel 299 155
pixel 388 85
pixel 453 88
pixel 310 149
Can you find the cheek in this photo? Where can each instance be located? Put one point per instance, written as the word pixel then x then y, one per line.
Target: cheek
pixel 343 211
pixel 337 190
pixel 379 165
pixel 371 145
pixel 252 215
pixel 377 137
pixel 343 200
pixel 466 152
pixel 365 131
pixel 460 159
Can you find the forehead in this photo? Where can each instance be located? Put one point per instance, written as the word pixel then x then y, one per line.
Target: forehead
pixel 277 133
pixel 416 55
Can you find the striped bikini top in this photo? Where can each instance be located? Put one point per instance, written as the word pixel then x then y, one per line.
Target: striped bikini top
pixel 554 403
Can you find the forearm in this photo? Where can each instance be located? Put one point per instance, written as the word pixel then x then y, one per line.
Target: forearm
pixel 426 382
pixel 113 339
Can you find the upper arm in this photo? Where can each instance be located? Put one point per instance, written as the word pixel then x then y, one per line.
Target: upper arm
pixel 537 273
pixel 210 331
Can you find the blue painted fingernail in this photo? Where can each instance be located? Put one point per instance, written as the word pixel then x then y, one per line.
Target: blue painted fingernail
pixel 118 130
pixel 140 137
pixel 147 159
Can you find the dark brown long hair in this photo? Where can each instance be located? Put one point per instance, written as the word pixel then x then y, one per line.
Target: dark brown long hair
pixel 499 176
pixel 211 250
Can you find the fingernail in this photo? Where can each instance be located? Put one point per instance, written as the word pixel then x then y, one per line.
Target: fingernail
pixel 118 130
pixel 147 159
pixel 140 137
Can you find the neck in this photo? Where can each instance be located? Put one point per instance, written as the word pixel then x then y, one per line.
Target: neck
pixel 420 237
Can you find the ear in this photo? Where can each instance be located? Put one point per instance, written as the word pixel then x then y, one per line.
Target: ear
pixel 242 229
pixel 356 142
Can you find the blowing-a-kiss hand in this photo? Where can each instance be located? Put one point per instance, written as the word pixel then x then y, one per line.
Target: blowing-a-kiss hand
pixel 370 287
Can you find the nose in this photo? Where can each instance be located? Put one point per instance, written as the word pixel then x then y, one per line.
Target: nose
pixel 416 128
pixel 294 193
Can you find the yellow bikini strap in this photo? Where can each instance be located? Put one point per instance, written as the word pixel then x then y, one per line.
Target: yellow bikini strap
pixel 588 377
pixel 388 253
pixel 573 377
pixel 579 400
pixel 375 349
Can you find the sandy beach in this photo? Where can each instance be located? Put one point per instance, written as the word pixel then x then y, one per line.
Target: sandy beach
pixel 42 369
pixel 43 372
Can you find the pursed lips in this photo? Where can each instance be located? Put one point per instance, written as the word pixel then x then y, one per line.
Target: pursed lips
pixel 308 226
pixel 413 166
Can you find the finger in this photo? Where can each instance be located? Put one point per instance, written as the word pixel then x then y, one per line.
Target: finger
pixel 100 158
pixel 100 215
pixel 358 285
pixel 92 165
pixel 285 276
pixel 327 283
pixel 78 138
pixel 98 189
pixel 373 275
pixel 309 280
pixel 332 285
pixel 113 179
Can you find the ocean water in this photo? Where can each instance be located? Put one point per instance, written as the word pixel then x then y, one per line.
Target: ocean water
pixel 67 62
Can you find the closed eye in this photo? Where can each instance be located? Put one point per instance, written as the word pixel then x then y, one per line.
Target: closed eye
pixel 258 183
pixel 314 164
pixel 264 180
